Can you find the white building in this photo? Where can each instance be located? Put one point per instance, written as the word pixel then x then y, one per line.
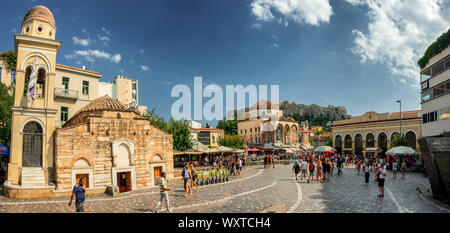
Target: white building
pixel 435 80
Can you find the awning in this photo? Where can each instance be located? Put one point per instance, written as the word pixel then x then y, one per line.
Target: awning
pixel 402 150
pixel 187 152
pixel 372 149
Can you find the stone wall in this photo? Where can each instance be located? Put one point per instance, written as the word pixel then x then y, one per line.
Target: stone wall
pixel 93 142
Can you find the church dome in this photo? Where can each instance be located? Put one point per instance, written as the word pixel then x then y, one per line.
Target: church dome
pixel 106 103
pixel 40 13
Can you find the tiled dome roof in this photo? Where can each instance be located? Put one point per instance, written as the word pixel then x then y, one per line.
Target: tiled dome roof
pixel 41 13
pixel 105 103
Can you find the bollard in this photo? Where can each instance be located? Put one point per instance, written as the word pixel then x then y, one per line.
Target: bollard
pixel 206 177
pixel 228 173
pixel 199 177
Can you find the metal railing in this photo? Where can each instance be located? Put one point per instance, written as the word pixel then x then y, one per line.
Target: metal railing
pixel 61 92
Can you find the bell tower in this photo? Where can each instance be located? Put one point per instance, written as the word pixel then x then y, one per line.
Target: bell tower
pixel 33 115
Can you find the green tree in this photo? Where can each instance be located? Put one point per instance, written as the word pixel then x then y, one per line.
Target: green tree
pixel 229 127
pixel 330 141
pixel 156 120
pixel 233 141
pixel 11 60
pixel 399 141
pixel 6 102
pixel 181 132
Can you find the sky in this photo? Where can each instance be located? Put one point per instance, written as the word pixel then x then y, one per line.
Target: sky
pixel 361 54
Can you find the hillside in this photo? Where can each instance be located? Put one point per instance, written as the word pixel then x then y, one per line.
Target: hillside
pixel 316 115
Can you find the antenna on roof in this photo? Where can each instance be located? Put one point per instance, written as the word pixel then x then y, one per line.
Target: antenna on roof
pixel 92 65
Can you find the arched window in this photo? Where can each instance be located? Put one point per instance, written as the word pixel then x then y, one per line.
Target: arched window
pixel 348 141
pixel 358 144
pixel 32 145
pixel 394 135
pixel 382 143
pixel 411 139
pixel 370 140
pixel 39 89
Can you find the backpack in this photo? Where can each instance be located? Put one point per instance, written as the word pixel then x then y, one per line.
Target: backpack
pixel 311 167
pixel 297 168
pixel 183 172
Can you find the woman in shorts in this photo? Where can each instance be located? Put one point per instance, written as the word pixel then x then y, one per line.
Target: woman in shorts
pixel 194 177
pixel 187 179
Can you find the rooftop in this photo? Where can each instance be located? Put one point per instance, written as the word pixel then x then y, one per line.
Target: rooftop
pixel 40 13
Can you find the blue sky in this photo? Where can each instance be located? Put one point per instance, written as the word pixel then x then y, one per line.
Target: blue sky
pixel 353 53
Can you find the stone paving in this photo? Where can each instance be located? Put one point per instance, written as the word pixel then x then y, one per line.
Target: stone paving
pixel 262 190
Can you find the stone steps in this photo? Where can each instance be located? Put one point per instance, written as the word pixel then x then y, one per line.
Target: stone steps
pixel 33 177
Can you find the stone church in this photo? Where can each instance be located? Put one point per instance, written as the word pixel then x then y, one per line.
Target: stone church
pixel 103 141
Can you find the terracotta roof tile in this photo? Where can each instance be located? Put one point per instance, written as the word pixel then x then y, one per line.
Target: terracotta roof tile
pixel 105 103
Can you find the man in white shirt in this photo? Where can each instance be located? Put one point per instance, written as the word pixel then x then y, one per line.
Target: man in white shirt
pixel 303 166
pixel 382 173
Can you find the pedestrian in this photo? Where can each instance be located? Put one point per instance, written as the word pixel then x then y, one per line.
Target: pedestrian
pixel 303 166
pixel 366 170
pixel 324 169
pixel 381 178
pixel 163 192
pixel 330 165
pixel 194 177
pixel 183 172
pixel 339 165
pixel 311 171
pixel 403 166
pixel 239 167
pixel 187 179
pixel 319 170
pixel 78 192
pixel 358 166
pixel 296 169
pixel 233 167
pixel 394 168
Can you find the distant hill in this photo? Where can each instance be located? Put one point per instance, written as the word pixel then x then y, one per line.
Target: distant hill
pixel 314 114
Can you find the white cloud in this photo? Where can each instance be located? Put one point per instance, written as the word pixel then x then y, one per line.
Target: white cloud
pixel 105 30
pixel 82 42
pixel 274 45
pixel 275 37
pixel 144 67
pixel 300 11
pixel 256 26
pixel 399 32
pixel 69 56
pixel 103 38
pixel 91 54
pixel 141 51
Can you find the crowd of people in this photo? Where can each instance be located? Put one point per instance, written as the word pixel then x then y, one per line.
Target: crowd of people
pixel 322 165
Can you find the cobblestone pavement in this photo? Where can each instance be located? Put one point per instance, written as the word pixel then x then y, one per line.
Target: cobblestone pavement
pixel 262 190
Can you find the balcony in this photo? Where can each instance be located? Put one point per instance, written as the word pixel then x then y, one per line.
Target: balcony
pixel 66 93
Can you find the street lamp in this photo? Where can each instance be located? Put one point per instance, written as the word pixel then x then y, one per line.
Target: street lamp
pixel 400 102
